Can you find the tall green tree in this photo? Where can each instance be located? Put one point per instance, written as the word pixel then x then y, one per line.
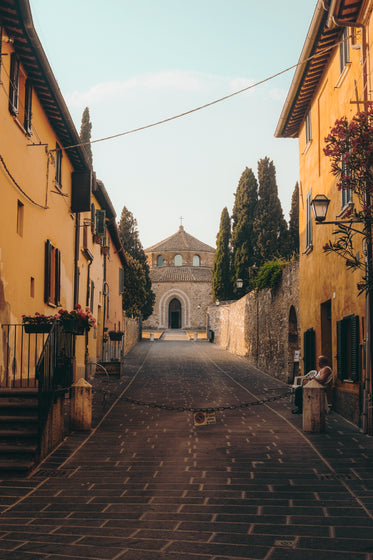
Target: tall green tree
pixel 221 279
pixel 243 235
pixel 134 287
pixel 85 134
pixel 270 225
pixel 294 222
pixel 129 236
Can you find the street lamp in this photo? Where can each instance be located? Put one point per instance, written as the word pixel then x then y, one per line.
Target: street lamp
pixel 239 283
pixel 320 207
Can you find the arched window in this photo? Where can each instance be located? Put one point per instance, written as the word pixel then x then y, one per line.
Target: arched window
pixel 196 260
pixel 160 261
pixel 178 260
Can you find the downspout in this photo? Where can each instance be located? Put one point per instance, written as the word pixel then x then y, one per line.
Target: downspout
pixel 367 389
pixel 88 292
pixel 76 259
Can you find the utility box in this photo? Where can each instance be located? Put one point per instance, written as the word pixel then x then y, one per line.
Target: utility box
pixel 81 406
pixel 313 407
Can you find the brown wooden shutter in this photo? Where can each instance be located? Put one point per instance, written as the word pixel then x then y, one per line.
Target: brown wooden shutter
pixel 47 271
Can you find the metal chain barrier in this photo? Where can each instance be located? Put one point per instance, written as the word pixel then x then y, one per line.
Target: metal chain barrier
pixel 207 409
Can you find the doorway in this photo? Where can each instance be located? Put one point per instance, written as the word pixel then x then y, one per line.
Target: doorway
pixel 326 330
pixel 174 314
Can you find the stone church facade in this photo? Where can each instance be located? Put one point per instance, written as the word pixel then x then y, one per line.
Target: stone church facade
pixel 181 274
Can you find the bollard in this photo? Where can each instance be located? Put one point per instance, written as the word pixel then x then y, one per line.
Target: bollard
pixel 151 337
pixel 195 336
pixel 81 405
pixel 313 407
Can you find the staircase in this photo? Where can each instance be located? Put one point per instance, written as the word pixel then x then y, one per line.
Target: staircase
pixel 19 430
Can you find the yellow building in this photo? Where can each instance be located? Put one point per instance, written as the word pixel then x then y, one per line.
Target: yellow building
pixel 55 232
pixel 332 80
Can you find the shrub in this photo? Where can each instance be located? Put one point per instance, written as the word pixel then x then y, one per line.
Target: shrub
pixel 270 274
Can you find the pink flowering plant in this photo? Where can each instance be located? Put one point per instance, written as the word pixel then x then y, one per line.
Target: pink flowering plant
pixel 38 319
pixel 349 145
pixel 85 318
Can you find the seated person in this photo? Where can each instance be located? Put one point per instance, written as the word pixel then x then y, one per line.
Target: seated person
pixel 322 376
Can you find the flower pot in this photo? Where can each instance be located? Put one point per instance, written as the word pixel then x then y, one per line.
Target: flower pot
pixel 41 328
pixel 73 326
pixel 115 335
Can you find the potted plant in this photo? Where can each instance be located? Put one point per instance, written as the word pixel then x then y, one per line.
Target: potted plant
pixel 76 321
pixel 116 335
pixel 38 323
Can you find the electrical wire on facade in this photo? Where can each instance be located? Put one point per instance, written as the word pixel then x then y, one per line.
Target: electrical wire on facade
pixel 185 113
pixel 19 187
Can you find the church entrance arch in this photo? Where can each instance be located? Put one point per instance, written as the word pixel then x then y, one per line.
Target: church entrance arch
pixel 174 314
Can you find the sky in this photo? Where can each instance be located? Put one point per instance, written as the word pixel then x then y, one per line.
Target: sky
pixel 136 62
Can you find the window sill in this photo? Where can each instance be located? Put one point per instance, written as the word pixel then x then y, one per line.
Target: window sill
pixel 307 147
pixel 345 210
pixel 343 75
pixel 308 250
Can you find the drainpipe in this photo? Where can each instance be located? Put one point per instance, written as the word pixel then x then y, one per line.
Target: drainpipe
pixel 367 389
pixel 76 259
pixel 89 257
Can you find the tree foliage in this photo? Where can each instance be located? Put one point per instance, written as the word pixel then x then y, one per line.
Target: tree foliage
pixel 138 298
pixel 270 274
pixel 221 280
pixel 349 146
pixel 294 222
pixel 270 227
pixel 85 134
pixel 244 239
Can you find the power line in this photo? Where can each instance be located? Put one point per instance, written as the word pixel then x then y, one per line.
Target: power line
pixel 185 113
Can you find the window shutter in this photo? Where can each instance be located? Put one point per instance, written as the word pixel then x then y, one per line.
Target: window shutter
pixel 121 281
pixel 309 350
pixel 28 107
pixel 92 295
pixel 340 352
pixel 100 222
pixel 355 347
pixel 13 85
pixel 47 271
pixel 57 291
pixel 93 218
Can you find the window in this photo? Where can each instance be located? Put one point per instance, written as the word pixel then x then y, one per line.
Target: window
pixel 309 351
pixel 160 260
pixel 308 128
pixel 348 348
pixel 58 165
pixel 178 260
pixel 346 190
pixel 309 220
pixel 52 274
pixel 121 281
pixel 344 50
pixel 100 223
pixel 14 85
pixel 32 287
pixel 1 42
pixel 20 94
pixel 196 260
pixel 20 213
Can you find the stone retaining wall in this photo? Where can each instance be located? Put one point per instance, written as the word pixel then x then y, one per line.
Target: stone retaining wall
pixel 131 333
pixel 263 326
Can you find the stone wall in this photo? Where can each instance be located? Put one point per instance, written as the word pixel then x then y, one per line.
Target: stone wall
pixel 263 326
pixel 131 333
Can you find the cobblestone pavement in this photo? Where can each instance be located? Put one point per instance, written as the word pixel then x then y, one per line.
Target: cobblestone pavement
pixel 147 484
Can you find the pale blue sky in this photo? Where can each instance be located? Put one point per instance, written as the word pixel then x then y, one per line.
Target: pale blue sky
pixel 136 62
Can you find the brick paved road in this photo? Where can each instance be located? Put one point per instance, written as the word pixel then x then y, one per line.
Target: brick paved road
pixel 146 484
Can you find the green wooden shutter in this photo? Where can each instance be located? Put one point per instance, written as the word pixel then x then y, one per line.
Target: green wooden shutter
pixel 309 357
pixel 340 351
pixel 100 222
pixel 47 270
pixel 121 280
pixel 28 107
pixel 93 218
pixel 57 288
pixel 355 348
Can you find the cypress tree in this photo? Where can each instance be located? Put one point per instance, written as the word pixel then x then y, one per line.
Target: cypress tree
pixel 270 225
pixel 243 235
pixel 221 279
pixel 129 236
pixel 85 134
pixel 294 222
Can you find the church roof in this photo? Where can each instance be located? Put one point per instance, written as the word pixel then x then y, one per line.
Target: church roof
pixel 181 274
pixel 180 241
